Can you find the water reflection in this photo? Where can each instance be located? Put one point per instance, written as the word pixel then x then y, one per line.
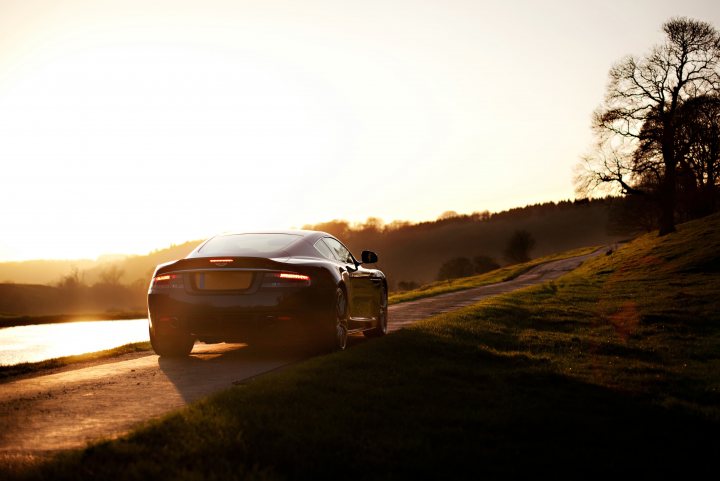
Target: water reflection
pixel 46 341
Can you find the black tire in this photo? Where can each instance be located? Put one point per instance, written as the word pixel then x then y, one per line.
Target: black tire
pixel 171 345
pixel 381 329
pixel 340 321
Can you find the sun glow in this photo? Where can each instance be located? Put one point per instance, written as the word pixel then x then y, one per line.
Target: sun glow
pixel 128 125
pixel 100 130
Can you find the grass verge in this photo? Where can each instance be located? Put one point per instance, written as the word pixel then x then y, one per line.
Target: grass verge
pixel 498 275
pixel 611 370
pixel 58 362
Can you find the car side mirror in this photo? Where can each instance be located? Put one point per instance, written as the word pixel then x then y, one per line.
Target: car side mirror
pixel 369 257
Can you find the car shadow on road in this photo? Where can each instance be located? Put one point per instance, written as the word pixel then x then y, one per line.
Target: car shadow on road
pixel 212 367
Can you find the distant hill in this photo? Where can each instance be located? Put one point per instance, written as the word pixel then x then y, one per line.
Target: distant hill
pixel 41 271
pixel 415 252
pixel 27 296
pixel 408 252
pixel 141 267
pixel 134 268
pixel 18 300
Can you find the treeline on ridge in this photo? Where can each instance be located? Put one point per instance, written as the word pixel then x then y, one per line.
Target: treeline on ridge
pixel 413 254
pixel 410 254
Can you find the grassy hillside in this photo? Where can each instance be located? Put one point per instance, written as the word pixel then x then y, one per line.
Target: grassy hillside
pixel 611 370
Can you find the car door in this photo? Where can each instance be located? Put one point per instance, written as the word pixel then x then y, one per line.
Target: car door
pixel 360 284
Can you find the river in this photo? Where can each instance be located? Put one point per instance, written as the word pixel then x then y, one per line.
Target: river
pixel 47 341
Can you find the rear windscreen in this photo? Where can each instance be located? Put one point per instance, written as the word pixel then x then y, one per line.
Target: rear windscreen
pixel 250 245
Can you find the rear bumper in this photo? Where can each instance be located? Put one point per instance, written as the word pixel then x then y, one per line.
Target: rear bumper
pixel 280 313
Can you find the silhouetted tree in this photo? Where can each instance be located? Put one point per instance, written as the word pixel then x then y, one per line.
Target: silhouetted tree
pixel 73 280
pixel 456 267
pixel 374 224
pixel 643 106
pixel 448 214
pixel 631 214
pixel 397 225
pixel 111 275
pixel 483 264
pixel 338 228
pixel 484 215
pixel 700 134
pixel 73 289
pixel 697 149
pixel 519 247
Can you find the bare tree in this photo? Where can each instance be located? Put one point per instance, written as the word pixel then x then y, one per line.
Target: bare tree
pixel 519 247
pixel 448 214
pixel 483 264
pixel 455 268
pixel 641 110
pixel 111 275
pixel 73 280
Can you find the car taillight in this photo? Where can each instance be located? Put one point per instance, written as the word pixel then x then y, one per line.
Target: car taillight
pixel 220 262
pixel 167 281
pixel 285 279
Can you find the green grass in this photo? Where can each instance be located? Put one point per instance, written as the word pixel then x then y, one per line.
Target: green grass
pixel 32 367
pixel 498 275
pixel 612 370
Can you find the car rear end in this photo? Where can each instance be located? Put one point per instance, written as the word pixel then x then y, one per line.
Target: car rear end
pixel 239 299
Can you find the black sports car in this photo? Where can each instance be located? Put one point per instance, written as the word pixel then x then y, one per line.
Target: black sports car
pixel 266 287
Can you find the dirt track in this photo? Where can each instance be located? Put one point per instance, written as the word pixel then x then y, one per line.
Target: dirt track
pixel 68 409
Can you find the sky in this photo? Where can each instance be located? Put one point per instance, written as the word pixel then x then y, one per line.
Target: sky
pixel 126 126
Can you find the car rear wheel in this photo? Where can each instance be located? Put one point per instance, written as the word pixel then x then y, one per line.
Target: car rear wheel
pixel 382 315
pixel 340 333
pixel 171 344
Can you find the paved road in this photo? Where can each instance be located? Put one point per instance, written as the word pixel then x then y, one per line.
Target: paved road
pixel 71 408
pixel 409 312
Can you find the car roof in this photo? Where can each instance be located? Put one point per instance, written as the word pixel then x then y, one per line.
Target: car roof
pixel 302 246
pixel 299 232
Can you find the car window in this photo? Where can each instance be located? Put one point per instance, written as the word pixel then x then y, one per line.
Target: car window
pixel 246 245
pixel 324 250
pixel 339 250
